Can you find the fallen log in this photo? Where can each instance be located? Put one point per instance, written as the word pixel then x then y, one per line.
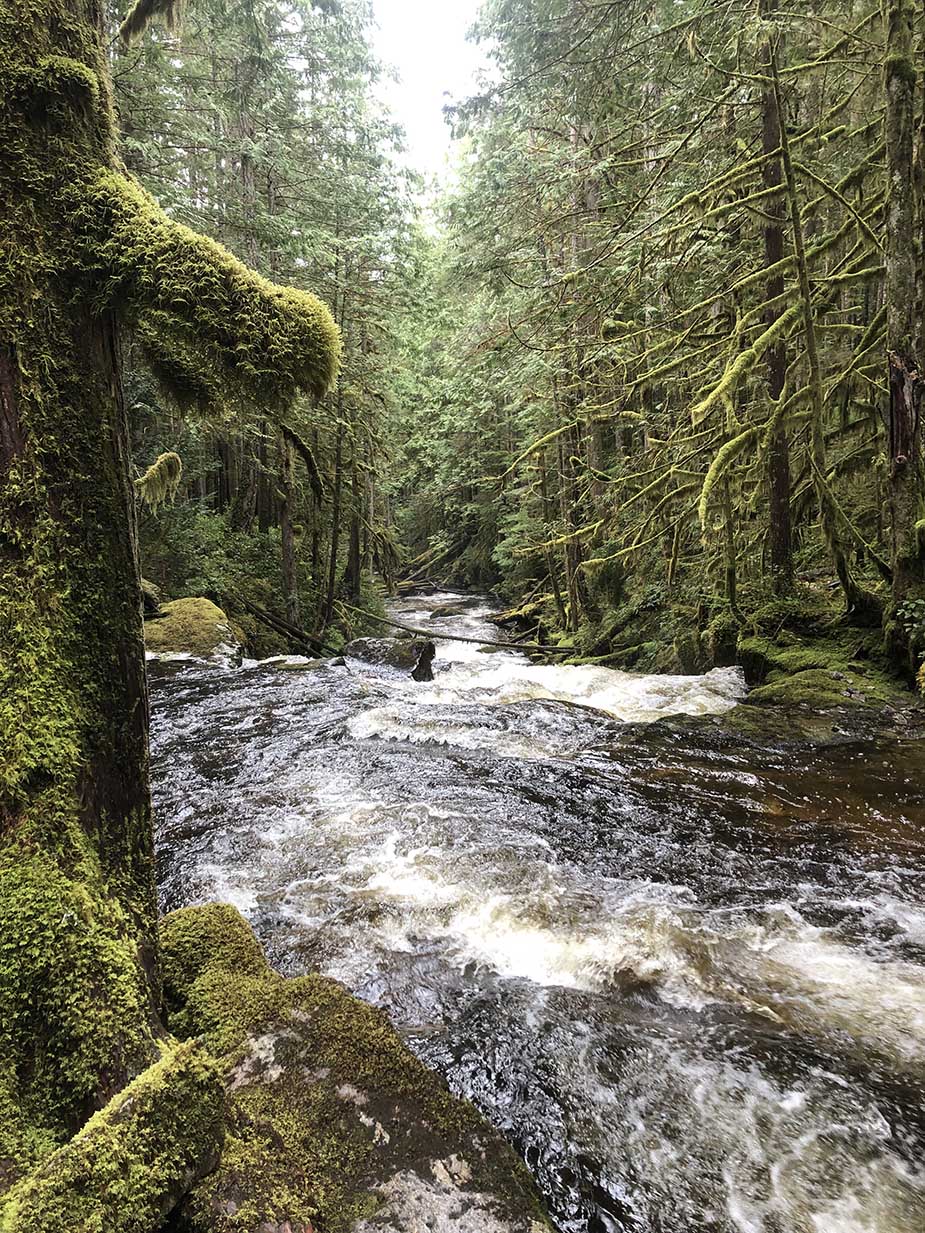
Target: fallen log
pixel 283 627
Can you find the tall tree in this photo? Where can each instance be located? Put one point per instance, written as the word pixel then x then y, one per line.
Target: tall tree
pixel 903 232
pixel 86 252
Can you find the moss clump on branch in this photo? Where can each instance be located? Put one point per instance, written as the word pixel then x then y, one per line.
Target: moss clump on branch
pixel 161 480
pixel 131 1163
pixel 257 340
pixel 143 12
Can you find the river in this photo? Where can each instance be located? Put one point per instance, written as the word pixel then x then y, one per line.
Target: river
pixel 682 969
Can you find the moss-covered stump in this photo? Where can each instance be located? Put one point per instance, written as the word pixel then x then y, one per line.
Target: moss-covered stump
pixel 333 1124
pixel 194 627
pixel 125 1171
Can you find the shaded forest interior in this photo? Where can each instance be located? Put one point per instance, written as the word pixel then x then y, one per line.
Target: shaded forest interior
pixel 630 371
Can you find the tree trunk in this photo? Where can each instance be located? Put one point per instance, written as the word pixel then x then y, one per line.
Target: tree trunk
pixel 287 535
pixel 779 531
pixel 861 605
pixel 354 560
pixel 905 388
pixel 335 517
pixel 78 977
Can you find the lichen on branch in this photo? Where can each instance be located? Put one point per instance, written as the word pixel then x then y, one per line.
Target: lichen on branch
pixel 161 480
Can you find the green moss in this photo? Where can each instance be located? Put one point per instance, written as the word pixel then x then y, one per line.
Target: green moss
pixel 219 985
pixel 59 79
pixel 194 626
pixel 820 674
pixel 805 610
pixel 161 480
pixel 74 1004
pixel 254 339
pixel 721 636
pixel 816 688
pixel 84 250
pixel 129 1165
pixel 326 1101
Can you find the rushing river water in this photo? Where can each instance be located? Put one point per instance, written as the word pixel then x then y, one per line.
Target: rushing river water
pixel 682 970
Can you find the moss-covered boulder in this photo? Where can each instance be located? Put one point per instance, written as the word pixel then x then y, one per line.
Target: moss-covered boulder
pixel 332 1123
pixel 844 669
pixel 192 626
pixel 126 1169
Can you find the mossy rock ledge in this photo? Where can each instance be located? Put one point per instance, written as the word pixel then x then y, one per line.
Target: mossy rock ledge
pixel 193 626
pixel 332 1124
pixel 843 673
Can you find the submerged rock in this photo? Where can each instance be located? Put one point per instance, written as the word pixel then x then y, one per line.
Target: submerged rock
pixel 332 1123
pixel 451 610
pixel 193 626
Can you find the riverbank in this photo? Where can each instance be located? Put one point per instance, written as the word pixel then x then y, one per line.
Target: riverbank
pixel 799 652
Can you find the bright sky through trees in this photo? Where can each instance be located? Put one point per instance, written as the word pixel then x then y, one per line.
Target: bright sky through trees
pixel 426 43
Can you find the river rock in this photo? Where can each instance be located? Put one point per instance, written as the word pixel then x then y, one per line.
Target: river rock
pixel 423 669
pixel 390 652
pixel 194 626
pixel 332 1123
pixel 449 610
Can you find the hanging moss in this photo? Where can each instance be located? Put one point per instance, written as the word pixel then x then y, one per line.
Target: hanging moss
pixel 161 480
pixel 143 12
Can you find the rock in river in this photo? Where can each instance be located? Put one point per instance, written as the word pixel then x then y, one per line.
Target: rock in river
pixel 193 626
pixel 332 1123
pixel 391 652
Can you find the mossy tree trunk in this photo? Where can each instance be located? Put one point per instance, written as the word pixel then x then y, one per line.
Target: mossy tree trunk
pixel 82 249
pixel 779 528
pixel 78 988
pixel 905 386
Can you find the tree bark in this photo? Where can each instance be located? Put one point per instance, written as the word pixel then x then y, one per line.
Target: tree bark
pixel 287 534
pixel 779 529
pixel 78 986
pixel 905 387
